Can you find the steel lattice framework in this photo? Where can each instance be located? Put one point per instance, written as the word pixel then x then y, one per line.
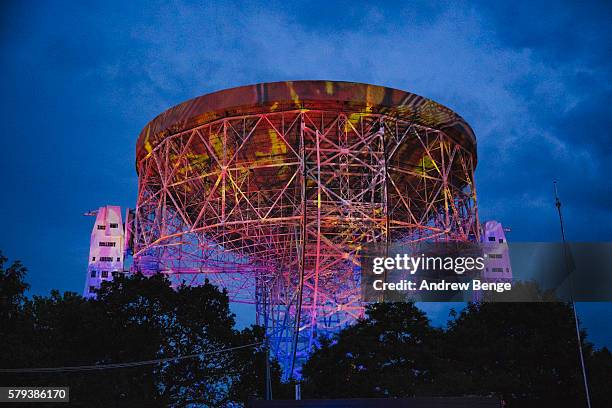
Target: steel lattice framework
pixel 274 201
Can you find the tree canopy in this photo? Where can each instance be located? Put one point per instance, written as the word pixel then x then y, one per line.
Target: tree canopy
pixel 133 318
pixel 523 353
pixel 390 353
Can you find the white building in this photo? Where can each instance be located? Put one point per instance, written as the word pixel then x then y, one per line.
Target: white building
pixel 497 259
pixel 107 248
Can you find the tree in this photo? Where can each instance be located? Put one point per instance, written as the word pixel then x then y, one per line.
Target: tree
pixel 524 352
pixel 14 324
pixel 389 353
pixel 133 318
pixel 251 365
pixel 600 377
pixel 12 288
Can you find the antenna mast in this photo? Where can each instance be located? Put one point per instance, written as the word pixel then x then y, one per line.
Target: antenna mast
pixel 579 337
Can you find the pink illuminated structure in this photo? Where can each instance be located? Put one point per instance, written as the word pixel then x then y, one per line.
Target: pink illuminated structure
pixel 498 265
pixel 108 246
pixel 270 191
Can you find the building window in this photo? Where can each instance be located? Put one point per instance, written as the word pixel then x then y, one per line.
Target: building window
pixel 92 289
pixel 492 239
pixel 118 259
pixel 93 258
pixel 497 269
pixel 93 274
pixel 113 225
pixel 106 258
pixel 501 240
pixel 105 274
pixel 495 256
pixel 101 227
pixel 507 269
pixel 106 244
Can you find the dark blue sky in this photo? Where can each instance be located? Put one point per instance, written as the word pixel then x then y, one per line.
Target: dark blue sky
pixel 78 81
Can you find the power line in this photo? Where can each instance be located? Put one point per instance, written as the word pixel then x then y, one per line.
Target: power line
pixel 119 365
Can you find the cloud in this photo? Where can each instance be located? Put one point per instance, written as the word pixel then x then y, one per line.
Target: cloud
pixel 533 81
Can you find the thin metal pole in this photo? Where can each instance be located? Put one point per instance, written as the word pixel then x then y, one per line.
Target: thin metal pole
pixel 579 337
pixel 303 254
pixel 381 131
pixel 268 376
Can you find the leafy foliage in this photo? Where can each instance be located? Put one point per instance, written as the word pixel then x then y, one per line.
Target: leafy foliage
pixel 521 351
pixel 133 319
pixel 390 353
pixel 525 353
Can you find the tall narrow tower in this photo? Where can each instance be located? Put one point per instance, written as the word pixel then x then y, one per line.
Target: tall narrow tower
pixel 498 266
pixel 106 249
